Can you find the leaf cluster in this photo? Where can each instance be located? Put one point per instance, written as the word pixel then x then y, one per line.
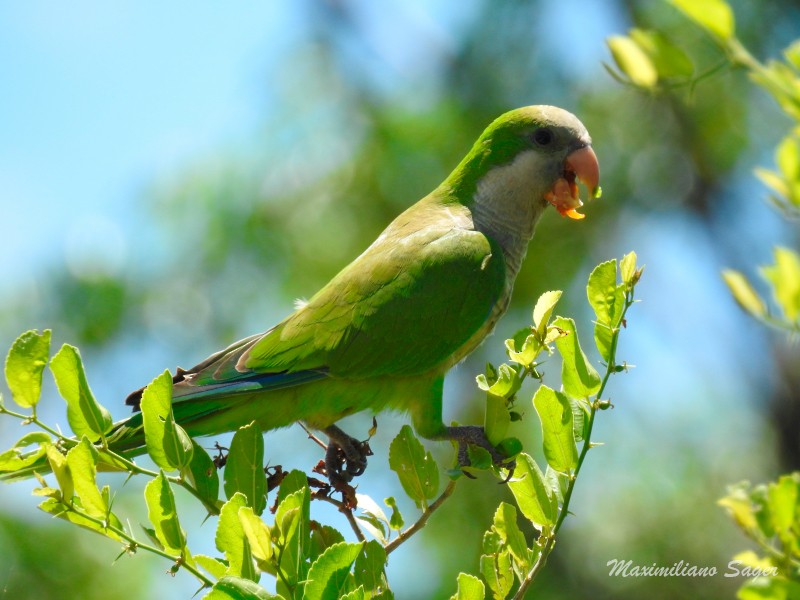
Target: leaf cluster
pixel 308 559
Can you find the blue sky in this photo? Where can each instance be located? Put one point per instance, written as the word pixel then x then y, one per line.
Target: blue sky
pixel 101 98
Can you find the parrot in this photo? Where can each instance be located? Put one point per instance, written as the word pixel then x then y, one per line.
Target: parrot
pixel 384 331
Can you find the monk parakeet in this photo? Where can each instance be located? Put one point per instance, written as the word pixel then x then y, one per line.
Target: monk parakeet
pixel 386 329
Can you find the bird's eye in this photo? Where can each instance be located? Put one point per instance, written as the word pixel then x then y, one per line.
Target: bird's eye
pixel 543 136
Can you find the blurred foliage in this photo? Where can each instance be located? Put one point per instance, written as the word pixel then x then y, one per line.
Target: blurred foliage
pixel 768 514
pixel 233 237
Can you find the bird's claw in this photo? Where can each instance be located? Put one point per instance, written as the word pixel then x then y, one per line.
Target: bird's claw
pixel 345 457
pixel 474 435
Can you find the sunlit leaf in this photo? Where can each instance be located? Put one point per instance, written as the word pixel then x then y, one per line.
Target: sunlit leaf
pixel 498 572
pixel 784 276
pixel 238 588
pixel 202 474
pixel 715 16
pixel 555 414
pixel 163 515
pixel 469 588
pixel 505 522
pixel 212 566
pixel 329 578
pixel 579 377
pixel 633 61
pixel 497 419
pixel 607 298
pixel 743 293
pixel 25 363
pixel 534 498
pixel 244 470
pixel 668 59
pixel 167 444
pixel 258 537
pixel 418 472
pixel 82 461
pixel 544 309
pixel 231 540
pixel 85 415
pixel 784 502
pixel 17 457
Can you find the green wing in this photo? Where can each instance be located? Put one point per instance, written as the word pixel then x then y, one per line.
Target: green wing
pixel 403 307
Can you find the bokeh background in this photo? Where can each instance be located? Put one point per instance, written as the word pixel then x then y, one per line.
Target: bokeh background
pixel 173 176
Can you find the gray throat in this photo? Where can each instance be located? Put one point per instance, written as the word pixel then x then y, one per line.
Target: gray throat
pixel 507 206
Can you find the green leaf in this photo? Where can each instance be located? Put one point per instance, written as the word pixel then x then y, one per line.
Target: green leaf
pixel 329 577
pixel 505 522
pixel 396 520
pixel 258 537
pixel 17 457
pixel 531 346
pixel 25 363
pixel 244 470
pixel 715 16
pixel 784 276
pixel 212 566
pixel 60 468
pixel 627 268
pixel 579 377
pixel 237 588
pixel 418 472
pixel 294 481
pixel 293 523
pixel 580 419
pixel 202 474
pixel 505 385
pixel 373 517
pixel 498 572
pixel 633 61
pixel 558 482
pixel 544 310
pixel 58 509
pixel 744 294
pixel 469 588
pixel 535 499
pixel 497 419
pixel 85 415
pixel 668 59
pixel 322 537
pixel 784 502
pixel 82 461
pixel 231 541
pixel 608 301
pixel 163 514
pixel 356 594
pixel 167 443
pixel 555 414
pixel 740 507
pixel 369 567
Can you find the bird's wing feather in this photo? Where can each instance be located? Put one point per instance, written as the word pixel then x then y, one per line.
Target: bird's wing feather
pixel 403 307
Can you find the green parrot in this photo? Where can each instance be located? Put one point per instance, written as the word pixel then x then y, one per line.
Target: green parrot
pixel 385 330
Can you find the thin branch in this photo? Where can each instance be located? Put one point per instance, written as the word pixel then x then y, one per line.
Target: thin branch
pixel 348 513
pixel 420 523
pixel 135 544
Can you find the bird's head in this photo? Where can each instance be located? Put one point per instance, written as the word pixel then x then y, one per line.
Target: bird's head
pixel 544 150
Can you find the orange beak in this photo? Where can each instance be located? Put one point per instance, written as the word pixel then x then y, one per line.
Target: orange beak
pixel 581 165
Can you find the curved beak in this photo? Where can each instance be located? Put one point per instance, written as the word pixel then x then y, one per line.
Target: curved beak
pixel 580 165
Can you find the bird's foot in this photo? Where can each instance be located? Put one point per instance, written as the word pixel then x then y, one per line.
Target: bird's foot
pixel 474 435
pixel 345 457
